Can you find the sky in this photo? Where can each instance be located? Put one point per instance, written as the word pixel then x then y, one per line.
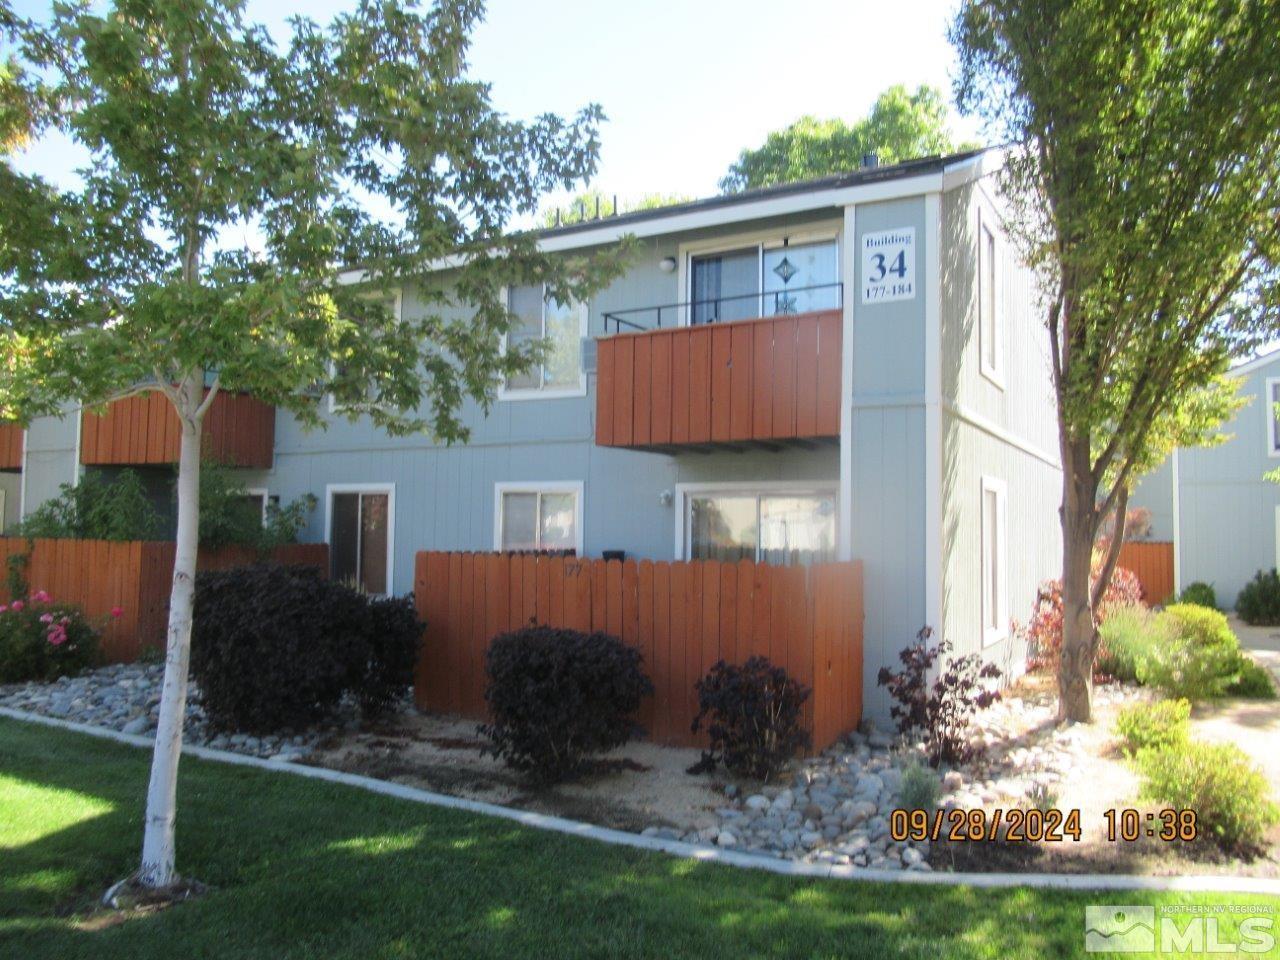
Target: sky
pixel 686 84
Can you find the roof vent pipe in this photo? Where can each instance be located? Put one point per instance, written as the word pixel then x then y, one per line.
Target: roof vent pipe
pixel 870 160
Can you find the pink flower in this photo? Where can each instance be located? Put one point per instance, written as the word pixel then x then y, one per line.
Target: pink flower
pixel 117 613
pixel 40 597
pixel 17 606
pixel 58 635
pixel 46 618
pixel 3 607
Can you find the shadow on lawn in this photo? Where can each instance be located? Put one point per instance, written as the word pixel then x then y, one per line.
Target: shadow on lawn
pixel 300 868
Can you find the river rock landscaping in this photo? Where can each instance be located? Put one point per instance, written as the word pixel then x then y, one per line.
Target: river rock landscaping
pixel 126 698
pixel 834 807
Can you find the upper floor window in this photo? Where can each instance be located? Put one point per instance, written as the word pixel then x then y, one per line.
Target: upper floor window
pixel 990 333
pixel 783 527
pixel 538 516
pixel 563 326
pixel 764 279
pixel 1273 417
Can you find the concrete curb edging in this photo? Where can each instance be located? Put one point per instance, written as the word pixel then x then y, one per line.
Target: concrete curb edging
pixel 1203 884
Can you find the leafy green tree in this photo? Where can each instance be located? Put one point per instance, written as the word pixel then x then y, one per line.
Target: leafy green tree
pixel 900 126
pixel 365 143
pixel 586 205
pixel 1143 174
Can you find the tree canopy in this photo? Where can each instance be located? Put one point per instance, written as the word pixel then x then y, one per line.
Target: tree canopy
pixel 900 126
pixel 230 181
pixel 587 204
pixel 1143 180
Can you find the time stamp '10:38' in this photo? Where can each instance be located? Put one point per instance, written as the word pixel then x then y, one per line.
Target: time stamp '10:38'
pixel 1035 826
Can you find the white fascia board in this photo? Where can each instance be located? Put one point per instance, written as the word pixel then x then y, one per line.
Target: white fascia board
pixel 718 216
pixel 1257 363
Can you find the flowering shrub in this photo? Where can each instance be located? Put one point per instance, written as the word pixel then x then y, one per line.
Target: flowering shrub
pixel 1044 632
pixel 41 639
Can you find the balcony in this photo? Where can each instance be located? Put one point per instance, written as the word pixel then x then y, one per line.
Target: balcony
pixel 10 446
pixel 239 431
pixel 765 382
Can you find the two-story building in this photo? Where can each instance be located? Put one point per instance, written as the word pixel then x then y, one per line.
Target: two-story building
pixel 846 367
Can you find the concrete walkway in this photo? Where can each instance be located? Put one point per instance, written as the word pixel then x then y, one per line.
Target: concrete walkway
pixel 1252 725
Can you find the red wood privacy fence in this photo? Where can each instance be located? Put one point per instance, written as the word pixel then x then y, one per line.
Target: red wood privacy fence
pixel 682 616
pixel 776 378
pixel 1152 563
pixel 134 575
pixel 10 446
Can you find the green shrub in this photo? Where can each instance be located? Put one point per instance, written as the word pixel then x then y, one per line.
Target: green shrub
pixel 920 788
pixel 1197 657
pixel 44 640
pixel 1199 593
pixel 1259 601
pixel 1204 625
pixel 1252 681
pixel 1165 723
pixel 1128 635
pixel 229 518
pixel 1231 797
pixel 96 509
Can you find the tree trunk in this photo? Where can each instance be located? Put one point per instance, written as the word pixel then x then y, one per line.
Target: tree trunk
pixel 158 837
pixel 1079 632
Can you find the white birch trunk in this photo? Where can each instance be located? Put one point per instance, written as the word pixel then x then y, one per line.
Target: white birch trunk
pixel 158 836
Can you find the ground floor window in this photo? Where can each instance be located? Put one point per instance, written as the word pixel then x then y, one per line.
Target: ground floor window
pixel 359 531
pixel 779 526
pixel 538 516
pixel 258 500
pixel 995 568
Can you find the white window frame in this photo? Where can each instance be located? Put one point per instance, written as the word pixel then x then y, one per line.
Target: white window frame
pixel 266 499
pixel 1277 565
pixel 987 226
pixel 397 310
pixel 761 240
pixel 506 393
pixel 575 487
pixel 1269 410
pixel 685 492
pixel 1000 548
pixel 390 490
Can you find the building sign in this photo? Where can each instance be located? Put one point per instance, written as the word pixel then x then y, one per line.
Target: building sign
pixel 889 265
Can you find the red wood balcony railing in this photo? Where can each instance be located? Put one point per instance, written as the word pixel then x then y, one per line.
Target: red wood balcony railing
pixel 759 382
pixel 239 431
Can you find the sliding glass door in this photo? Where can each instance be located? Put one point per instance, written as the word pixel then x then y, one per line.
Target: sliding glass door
pixel 764 280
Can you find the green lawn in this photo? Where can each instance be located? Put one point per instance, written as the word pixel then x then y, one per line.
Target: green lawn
pixel 301 868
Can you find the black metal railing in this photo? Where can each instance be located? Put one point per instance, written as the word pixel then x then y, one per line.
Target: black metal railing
pixel 745 306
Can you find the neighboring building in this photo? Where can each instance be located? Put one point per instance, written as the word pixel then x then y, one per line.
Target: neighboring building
pixel 848 367
pixel 1213 503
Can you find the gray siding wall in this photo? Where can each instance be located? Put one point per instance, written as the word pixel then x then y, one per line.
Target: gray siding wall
pixel 1228 520
pixel 52 457
pixel 445 495
pixel 888 442
pixel 1004 430
pixel 1155 494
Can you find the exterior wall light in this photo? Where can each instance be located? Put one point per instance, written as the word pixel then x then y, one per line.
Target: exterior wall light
pixel 665 498
pixel 667 264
